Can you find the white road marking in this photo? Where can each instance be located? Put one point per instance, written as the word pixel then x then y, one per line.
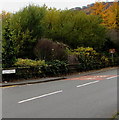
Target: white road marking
pixel 39 96
pixel 111 77
pixel 88 83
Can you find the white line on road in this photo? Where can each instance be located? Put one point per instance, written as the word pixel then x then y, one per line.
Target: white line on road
pixel 111 77
pixel 40 96
pixel 88 83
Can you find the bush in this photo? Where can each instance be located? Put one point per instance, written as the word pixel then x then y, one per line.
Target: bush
pixel 55 67
pixel 114 62
pixel 90 59
pixel 23 73
pixel 29 63
pixel 26 68
pixel 48 50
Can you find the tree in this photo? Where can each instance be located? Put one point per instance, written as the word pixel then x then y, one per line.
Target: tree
pixel 51 22
pixel 8 48
pixel 74 28
pixel 112 19
pixel 27 28
pixel 98 8
pixel 108 12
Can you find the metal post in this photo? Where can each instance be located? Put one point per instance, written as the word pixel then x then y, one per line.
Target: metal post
pixel 112 58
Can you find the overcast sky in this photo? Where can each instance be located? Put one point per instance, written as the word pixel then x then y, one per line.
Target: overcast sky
pixel 15 5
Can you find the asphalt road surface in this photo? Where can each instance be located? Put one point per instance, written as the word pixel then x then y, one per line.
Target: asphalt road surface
pixel 92 96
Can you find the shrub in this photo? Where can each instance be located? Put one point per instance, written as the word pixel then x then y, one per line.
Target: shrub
pixel 114 62
pixel 8 47
pixel 90 59
pixel 29 63
pixel 55 67
pixel 48 50
pixel 27 68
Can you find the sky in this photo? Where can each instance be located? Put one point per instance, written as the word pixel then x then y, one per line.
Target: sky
pixel 16 5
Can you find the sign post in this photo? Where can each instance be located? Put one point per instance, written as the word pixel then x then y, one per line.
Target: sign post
pixel 112 51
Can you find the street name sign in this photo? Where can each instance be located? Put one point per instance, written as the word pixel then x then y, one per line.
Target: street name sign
pixel 8 71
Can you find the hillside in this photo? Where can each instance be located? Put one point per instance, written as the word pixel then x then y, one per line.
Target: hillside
pixel 108 11
pixel 87 8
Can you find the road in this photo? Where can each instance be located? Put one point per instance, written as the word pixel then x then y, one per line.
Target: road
pixel 93 96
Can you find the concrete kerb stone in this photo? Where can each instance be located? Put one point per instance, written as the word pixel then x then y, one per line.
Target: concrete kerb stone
pixel 93 72
pixel 30 82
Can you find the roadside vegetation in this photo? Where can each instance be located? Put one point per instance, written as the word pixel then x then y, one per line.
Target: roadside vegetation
pixel 41 41
pixel 115 117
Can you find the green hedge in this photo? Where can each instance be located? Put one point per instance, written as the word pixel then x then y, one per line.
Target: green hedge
pixel 114 62
pixel 35 69
pixel 54 68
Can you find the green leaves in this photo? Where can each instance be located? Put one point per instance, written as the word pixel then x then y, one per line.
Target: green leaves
pixel 8 47
pixel 27 27
pixel 22 30
pixel 74 28
pixel 90 59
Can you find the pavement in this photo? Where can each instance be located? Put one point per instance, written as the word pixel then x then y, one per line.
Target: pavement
pixel 41 80
pixel 86 95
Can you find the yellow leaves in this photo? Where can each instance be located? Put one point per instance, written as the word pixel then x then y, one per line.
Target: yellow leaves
pixel 104 58
pixel 82 49
pixel 98 8
pixel 86 51
pixel 108 12
pixel 29 63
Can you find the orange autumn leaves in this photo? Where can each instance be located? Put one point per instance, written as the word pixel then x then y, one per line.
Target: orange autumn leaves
pixel 108 12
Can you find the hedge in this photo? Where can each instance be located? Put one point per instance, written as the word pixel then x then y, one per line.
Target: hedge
pixel 55 68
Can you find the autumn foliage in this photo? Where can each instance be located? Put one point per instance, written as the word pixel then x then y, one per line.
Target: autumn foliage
pixel 109 13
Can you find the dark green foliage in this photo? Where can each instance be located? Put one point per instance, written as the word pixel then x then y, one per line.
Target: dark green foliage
pixel 55 68
pixel 22 73
pixel 22 33
pixel 74 28
pixel 8 48
pixel 27 27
